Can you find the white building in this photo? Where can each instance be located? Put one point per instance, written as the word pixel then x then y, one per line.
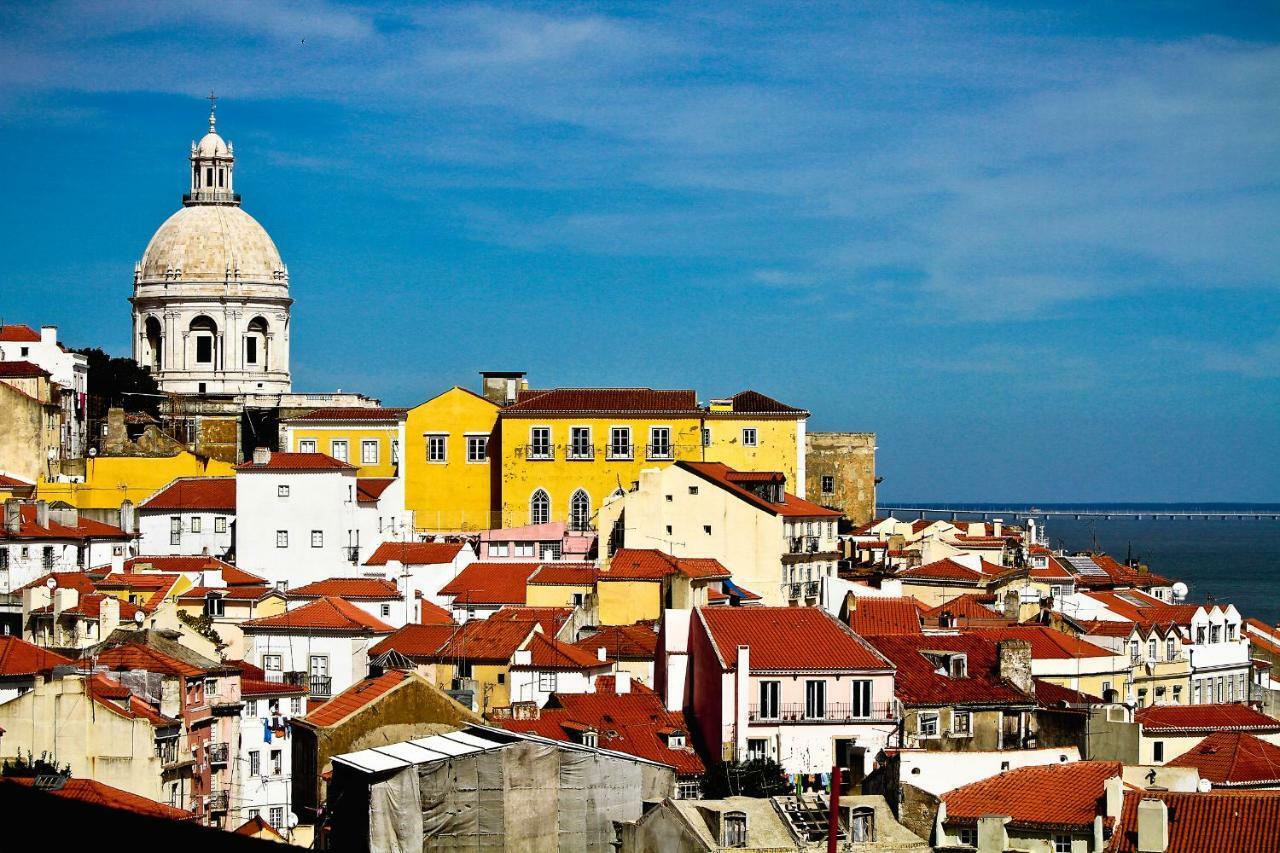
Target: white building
pixel 190 516
pixel 69 370
pixel 38 538
pixel 545 665
pixel 379 597
pixel 323 644
pixel 265 760
pixel 428 566
pixel 211 294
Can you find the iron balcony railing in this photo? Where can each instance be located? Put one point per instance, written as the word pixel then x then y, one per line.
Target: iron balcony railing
pixel 581 452
pixel 803 545
pixel 621 452
pixel 352 553
pixel 321 685
pixel 218 801
pixel 659 451
pixel 217 753
pixel 831 712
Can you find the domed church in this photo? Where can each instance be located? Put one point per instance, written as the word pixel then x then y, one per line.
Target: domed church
pixel 211 293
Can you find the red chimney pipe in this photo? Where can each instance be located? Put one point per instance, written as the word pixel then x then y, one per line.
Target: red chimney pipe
pixel 833 819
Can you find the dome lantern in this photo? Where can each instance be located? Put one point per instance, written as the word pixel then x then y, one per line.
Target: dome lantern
pixel 212 166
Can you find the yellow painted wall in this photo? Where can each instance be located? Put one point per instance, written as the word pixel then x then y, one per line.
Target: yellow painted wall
pixel 235 611
pixel 547 595
pixel 775 450
pixel 354 436
pixel 110 480
pixel 453 495
pixel 489 693
pixel 628 602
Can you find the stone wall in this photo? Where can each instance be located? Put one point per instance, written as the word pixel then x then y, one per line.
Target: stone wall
pixel 849 460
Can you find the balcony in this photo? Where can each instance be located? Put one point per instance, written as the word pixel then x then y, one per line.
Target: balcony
pixel 536 452
pixel 218 801
pixel 620 452
pixel 217 753
pixel 812 589
pixel 352 553
pixel 803 545
pixel 659 451
pixel 833 712
pixel 321 686
pixel 581 452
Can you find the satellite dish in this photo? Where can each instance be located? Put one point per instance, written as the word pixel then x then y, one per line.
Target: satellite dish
pixel 1204 786
pixel 138 617
pixel 1180 590
pixel 51 583
pixel 93 451
pixel 293 820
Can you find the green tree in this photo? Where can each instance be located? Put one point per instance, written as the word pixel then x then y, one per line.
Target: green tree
pixel 119 382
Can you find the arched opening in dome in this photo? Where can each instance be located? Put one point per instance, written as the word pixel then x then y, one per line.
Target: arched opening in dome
pixel 255 344
pixel 539 508
pixel 579 511
pixel 152 358
pixel 203 340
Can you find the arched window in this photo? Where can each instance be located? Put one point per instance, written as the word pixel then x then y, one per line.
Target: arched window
pixel 579 511
pixel 155 343
pixel 539 508
pixel 255 343
pixel 203 330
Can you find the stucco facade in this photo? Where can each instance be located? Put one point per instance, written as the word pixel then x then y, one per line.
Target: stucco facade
pixel 840 472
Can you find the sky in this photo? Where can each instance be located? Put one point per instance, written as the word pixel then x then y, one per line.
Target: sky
pixel 1034 247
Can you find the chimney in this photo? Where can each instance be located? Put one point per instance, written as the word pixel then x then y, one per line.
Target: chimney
pixel 42 514
pixel 12 516
pixel 33 598
pixel 126 517
pixel 49 335
pixel 262 456
pixel 992 834
pixel 1012 605
pixel 64 598
pixel 108 616
pixel 997 527
pixel 1015 664
pixel 117 563
pixel 117 437
pixel 522 657
pixel 741 696
pixel 622 682
pixel 1114 790
pixel 600 654
pixel 501 386
pixel 1153 826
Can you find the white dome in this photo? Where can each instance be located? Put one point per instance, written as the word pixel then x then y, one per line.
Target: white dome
pixel 210 243
pixel 212 145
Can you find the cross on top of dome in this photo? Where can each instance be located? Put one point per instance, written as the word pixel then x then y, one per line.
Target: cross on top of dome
pixel 213 110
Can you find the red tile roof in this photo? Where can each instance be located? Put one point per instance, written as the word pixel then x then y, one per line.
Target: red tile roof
pixel 1052 570
pixel 298 462
pixel 1233 759
pixel 918 681
pixel 551 619
pixel 1048 796
pixel 150 564
pixel 415 553
pixel 652 564
pixel 256 826
pixel 490 583
pixel 21 369
pixel 92 791
pixel 605 400
pixel 1217 822
pixel 7 481
pixel 624 642
pixel 78 581
pixel 944 570
pixel 415 641
pixel 356 697
pixel 792 506
pixel 967 610
pixel 564 574
pixel 323 614
pixel 1170 719
pixel 885 616
pixel 352 589
pixel 261 687
pixel 19 333
pixel 430 613
pixel 90 607
pixel 1046 643
pixel 350 414
pixel 85 528
pixel 157 586
pixel 136 656
pixel 632 723
pixel 369 489
pixel 487 640
pixel 787 639
pixel 546 653
pixel 1050 695
pixel 20 658
pixel 188 493
pixel 753 402
pixel 233 593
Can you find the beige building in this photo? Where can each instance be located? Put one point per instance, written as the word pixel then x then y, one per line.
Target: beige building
pixel 840 472
pixel 30 421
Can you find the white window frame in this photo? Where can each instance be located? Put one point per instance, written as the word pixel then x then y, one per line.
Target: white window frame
pixel 306 445
pixel 498 549
pixel 549 452
pixel 819 686
pixel 534 517
pixel 580 451
pixel 769 694
pixel 345 454
pixel 623 450
pixel 1062 843
pixel 546 681
pixel 750 437
pixel 219 524
pixel 574 524
pixel 196 524
pixel 650 453
pixel 282 490
pixel 477 440
pixel 282 539
pixel 317 539
pixel 367 458
pixel 431 441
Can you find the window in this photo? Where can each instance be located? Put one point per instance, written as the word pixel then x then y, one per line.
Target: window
pixel 1062 844
pixel 338 449
pixel 546 682
pixel 734 831
pixel 175 530
pixel 706 528
pixel 282 491
pixel 580 443
pixel 1231 633
pixel 1106 686
pixel 968 836
pixel 1222 691
pixel 1195 692
pixel 319 672
pixel 693 490
pixel 437 448
pixel 369 452
pixel 1215 634
pixel 861 706
pixel 550 550
pixel 477 448
pixel 539 508
pixel 749 437
pixel 620 443
pixel 214 605
pixel 828 484
pixel 250 350
pixel 295 705
pixel 815 700
pixel 270 664
pixel 277 762
pixel 277 817
pixel 204 349
pixel 317 539
pixel 961 723
pixel 497 550
pixel 706 436
pixel 250 708
pixel 579 511
pixel 659 442
pixel 927 725
pixel 1200 636
pixel 386 610
pixel 1152 649
pixel 307 445
pixel 1134 654
pixel 220 524
pixel 757 748
pixel 523 549
pixel 282 539
pixel 1169 649
pixel 196 524
pixel 770 694
pixel 255 763
pixel 540 442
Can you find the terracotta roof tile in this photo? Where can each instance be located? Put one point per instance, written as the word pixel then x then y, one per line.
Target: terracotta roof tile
pixel 415 553
pixel 1046 643
pixel 487 640
pixel 298 462
pixel 19 333
pixel 232 593
pixel 189 493
pixel 323 614
pixel 564 574
pixel 350 414
pixel 551 619
pixel 946 569
pixel 490 583
pixel 547 653
pixel 1233 758
pixel 78 581
pixel 1075 787
pixel 136 656
pixel 430 613
pixel 190 564
pixel 20 658
pixel 369 489
pixel 90 607
pixel 157 586
pixel 415 641
pixel 7 481
pixel 787 639
pixel 918 681
pixel 352 589
pixel 968 610
pixel 85 528
pixel 1050 695
pixel 1168 719
pixel 652 564
pixel 1217 822
pixel 21 370
pixel 885 616
pixel 624 642
pixel 792 506
pixel 356 697
pixel 753 402
pixel 92 791
pixel 606 400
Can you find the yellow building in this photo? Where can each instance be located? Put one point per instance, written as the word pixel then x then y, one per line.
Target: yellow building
pixel 111 480
pixel 369 438
pixel 447 468
pixel 562 452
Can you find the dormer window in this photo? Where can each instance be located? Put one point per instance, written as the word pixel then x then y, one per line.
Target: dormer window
pixel 1040 561
pixel 958 666
pixel 733 829
pixel 860 824
pixel 214 605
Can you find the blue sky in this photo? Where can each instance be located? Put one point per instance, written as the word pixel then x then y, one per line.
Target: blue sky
pixel 1033 247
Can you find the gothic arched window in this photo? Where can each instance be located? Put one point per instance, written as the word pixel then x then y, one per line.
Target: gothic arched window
pixel 579 511
pixel 539 508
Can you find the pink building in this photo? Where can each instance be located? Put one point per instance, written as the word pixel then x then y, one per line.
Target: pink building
pixel 788 683
pixel 537 542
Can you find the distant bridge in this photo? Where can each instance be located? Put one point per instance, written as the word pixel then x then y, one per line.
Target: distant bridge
pixel 954 513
